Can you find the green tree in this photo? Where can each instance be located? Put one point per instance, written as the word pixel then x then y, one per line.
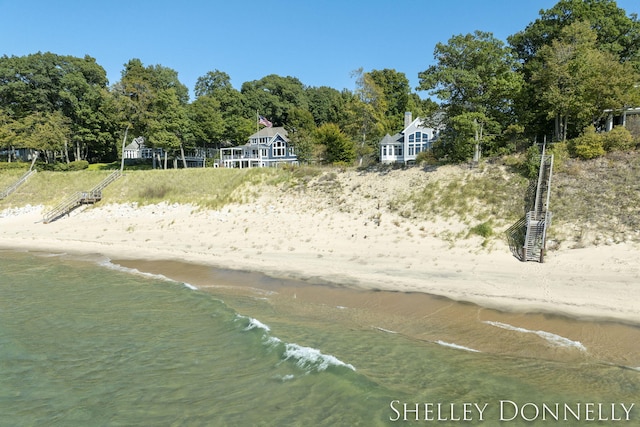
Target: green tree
pixel 273 96
pixel 46 83
pixel 576 81
pixel 47 133
pixel 339 147
pixel 237 121
pixel 396 91
pixel 207 121
pixel 138 90
pixel 154 101
pixel 169 127
pixel 8 136
pixel 618 33
pixel 300 128
pixel 326 104
pixel 476 76
pixel 213 83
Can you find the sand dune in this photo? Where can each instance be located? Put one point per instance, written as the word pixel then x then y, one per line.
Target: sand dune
pixel 344 233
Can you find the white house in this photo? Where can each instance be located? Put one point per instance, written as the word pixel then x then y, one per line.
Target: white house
pixel 403 147
pixel 267 147
pixel 137 150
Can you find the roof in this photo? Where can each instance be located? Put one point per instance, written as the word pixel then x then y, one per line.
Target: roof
pixel 136 144
pixel 398 138
pixel 270 132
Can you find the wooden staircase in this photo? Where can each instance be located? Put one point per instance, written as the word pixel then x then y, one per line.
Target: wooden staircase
pixel 528 236
pixel 539 219
pixel 13 187
pixel 80 198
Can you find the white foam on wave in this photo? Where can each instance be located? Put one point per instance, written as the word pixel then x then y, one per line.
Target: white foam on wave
pixel 385 330
pixel 309 358
pixel 554 339
pixel 255 324
pixel 112 266
pixel 108 264
pixel 457 346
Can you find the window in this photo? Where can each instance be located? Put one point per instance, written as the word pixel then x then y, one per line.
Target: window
pixel 278 149
pixel 418 136
pixel 384 150
pixel 411 138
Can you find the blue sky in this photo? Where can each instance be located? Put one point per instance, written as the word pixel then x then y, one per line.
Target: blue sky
pixel 320 42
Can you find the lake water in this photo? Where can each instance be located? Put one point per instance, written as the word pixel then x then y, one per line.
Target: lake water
pixel 92 342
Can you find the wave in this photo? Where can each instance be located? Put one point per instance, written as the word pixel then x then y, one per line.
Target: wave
pixel 456 346
pixel 254 323
pixel 554 339
pixel 307 358
pixel 385 330
pixel 108 264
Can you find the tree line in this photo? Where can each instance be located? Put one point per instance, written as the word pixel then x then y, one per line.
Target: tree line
pixel 554 79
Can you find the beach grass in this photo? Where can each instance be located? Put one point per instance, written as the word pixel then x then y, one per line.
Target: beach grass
pixel 592 201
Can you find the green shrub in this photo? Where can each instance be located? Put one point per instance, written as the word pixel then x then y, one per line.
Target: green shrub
pixel 14 165
pixel 618 139
pixel 426 158
pixel 587 146
pixel 483 229
pixel 78 165
pixel 531 163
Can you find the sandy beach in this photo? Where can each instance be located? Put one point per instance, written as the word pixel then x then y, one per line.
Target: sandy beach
pixel 352 241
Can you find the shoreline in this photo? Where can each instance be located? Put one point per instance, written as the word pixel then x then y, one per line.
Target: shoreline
pixel 333 247
pixel 414 315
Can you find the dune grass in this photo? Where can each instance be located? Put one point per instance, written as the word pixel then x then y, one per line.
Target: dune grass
pixel 49 188
pixel 598 197
pixel 474 196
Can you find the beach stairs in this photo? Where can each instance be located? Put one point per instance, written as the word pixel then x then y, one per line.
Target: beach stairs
pixel 539 219
pixel 528 237
pixel 80 198
pixel 13 187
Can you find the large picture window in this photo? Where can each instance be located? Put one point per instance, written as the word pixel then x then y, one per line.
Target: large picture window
pixel 278 149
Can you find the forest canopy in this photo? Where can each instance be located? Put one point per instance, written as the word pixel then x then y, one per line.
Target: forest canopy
pixel 554 79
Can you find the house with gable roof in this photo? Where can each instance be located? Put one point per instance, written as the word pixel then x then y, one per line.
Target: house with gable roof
pixel 267 147
pixel 403 147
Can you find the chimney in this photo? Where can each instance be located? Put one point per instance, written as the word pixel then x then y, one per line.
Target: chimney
pixel 407 119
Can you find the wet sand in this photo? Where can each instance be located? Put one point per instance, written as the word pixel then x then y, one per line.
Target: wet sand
pixel 451 322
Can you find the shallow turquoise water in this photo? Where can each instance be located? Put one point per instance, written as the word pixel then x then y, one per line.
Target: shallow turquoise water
pixel 85 344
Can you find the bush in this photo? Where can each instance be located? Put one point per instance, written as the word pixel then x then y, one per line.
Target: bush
pixel 78 165
pixel 64 167
pixel 483 230
pixel 587 146
pixel 426 158
pixel 14 165
pixel 618 139
pixel 531 164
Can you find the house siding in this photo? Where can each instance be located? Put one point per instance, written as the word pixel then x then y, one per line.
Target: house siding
pixel 405 146
pixel 266 148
